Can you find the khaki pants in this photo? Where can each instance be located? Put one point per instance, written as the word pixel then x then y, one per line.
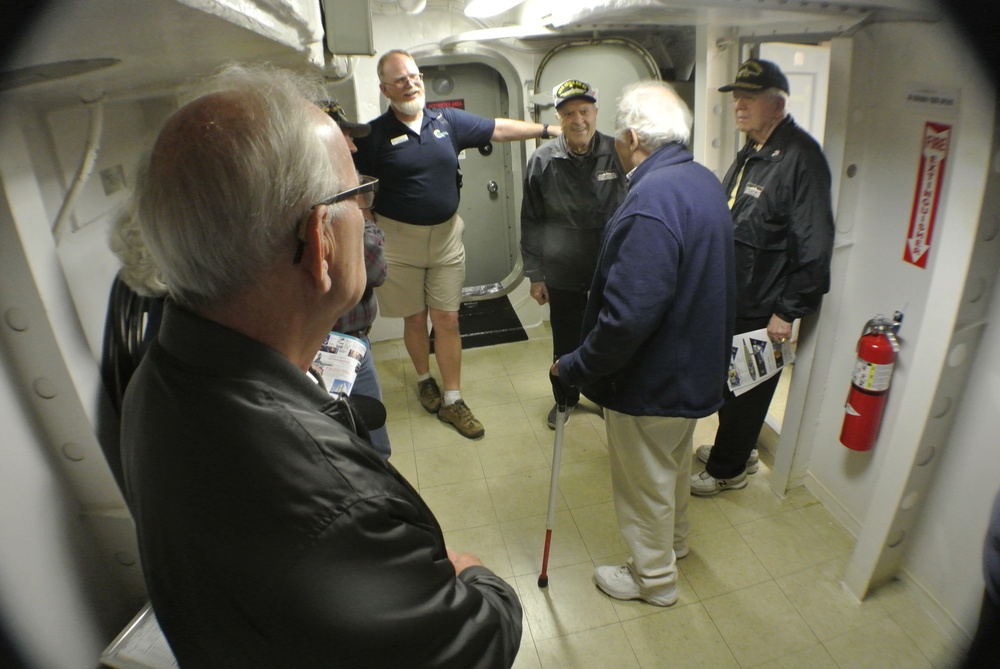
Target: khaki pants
pixel 426 267
pixel 651 481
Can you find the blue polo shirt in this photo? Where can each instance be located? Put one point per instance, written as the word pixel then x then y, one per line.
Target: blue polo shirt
pixel 417 173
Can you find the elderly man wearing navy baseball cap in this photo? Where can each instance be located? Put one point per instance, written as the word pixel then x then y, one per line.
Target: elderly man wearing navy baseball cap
pixel 779 191
pixel 573 185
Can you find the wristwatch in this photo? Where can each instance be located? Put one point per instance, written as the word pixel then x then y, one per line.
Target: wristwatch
pixel 545 131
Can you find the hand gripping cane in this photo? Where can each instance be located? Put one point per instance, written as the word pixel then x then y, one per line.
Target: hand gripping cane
pixel 561 410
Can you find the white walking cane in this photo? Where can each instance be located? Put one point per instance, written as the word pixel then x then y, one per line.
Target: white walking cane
pixel 561 411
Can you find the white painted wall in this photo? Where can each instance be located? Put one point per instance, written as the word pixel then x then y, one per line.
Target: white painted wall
pixel 945 555
pixel 885 146
pixel 59 599
pixel 69 574
pixel 882 142
pixel 47 561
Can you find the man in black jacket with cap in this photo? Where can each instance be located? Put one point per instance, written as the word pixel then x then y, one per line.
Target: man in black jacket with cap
pixel 779 197
pixel 572 186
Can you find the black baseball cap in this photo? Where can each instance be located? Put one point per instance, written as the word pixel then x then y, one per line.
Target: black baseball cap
pixel 336 112
pixel 573 89
pixel 758 75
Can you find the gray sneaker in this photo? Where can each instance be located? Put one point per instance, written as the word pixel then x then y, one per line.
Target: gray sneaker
pixel 460 416
pixel 753 462
pixel 706 485
pixel 551 420
pixel 429 395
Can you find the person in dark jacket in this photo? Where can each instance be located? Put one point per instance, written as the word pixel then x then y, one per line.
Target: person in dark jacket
pixel 271 533
pixel 658 328
pixel 572 186
pixel 779 194
pixel 358 321
pixel 983 651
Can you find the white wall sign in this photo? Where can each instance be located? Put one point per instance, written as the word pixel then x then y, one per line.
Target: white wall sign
pixel 933 99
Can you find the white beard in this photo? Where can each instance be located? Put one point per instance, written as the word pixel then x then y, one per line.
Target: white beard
pixel 411 107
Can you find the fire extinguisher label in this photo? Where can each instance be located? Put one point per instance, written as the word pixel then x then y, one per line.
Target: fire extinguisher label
pixel 872 377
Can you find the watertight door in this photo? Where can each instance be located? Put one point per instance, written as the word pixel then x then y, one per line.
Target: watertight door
pixel 487 203
pixel 606 64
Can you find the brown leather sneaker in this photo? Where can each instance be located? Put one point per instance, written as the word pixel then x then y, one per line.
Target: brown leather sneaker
pixel 460 416
pixel 429 394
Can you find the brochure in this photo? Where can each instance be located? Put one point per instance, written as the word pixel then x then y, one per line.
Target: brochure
pixel 141 645
pixel 755 358
pixel 339 359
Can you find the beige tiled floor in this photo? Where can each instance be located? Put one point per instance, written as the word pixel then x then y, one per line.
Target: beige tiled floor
pixel 759 589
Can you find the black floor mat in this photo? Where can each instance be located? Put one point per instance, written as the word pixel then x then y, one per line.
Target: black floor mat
pixel 488 322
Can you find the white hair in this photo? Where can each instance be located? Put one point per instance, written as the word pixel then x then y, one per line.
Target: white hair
pixel 139 270
pixel 777 93
pixel 655 112
pixel 231 176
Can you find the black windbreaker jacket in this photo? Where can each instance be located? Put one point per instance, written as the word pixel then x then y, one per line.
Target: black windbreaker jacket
pixel 783 225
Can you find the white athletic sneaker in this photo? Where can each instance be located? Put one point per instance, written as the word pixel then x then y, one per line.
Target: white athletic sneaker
pixel 619 583
pixel 705 485
pixel 753 462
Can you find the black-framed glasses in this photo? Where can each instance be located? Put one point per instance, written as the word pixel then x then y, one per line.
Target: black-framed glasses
pixel 365 194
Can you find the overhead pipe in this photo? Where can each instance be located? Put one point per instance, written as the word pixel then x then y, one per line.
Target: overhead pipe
pixel 86 166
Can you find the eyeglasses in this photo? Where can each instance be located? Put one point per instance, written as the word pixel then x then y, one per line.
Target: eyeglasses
pixel 405 80
pixel 364 192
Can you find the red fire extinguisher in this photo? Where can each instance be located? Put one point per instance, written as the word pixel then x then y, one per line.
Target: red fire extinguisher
pixel 869 391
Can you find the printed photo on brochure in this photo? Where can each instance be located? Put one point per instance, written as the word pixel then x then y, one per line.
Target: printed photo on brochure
pixel 755 358
pixel 339 359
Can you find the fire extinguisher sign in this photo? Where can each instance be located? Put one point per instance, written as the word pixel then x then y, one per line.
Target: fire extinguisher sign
pixel 933 154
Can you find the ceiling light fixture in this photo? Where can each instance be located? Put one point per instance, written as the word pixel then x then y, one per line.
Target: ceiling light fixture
pixel 481 9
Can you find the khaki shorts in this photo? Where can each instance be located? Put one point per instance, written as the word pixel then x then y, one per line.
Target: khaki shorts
pixel 426 266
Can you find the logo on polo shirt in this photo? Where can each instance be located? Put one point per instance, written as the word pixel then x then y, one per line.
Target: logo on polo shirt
pixel 439 133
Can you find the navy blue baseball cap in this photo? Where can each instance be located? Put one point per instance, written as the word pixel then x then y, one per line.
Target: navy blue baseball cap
pixel 758 75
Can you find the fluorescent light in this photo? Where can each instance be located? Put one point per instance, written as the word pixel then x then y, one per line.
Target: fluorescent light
pixel 481 9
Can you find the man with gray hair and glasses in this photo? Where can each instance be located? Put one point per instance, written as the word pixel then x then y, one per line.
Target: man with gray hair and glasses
pixel 271 533
pixel 656 335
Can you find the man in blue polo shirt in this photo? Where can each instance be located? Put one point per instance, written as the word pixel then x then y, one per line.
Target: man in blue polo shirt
pixel 414 153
